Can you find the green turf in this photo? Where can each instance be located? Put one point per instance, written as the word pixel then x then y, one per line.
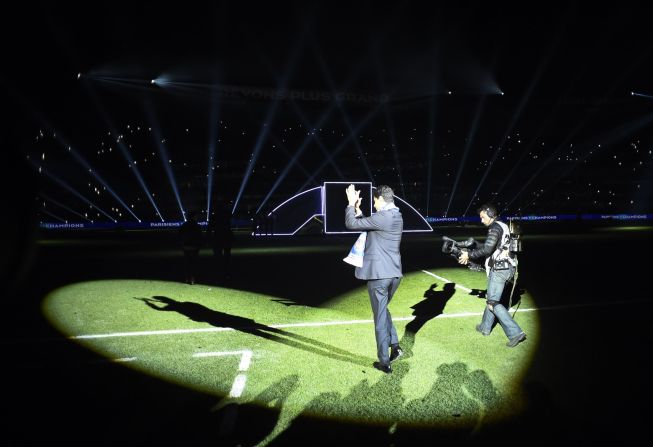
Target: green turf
pixel 450 376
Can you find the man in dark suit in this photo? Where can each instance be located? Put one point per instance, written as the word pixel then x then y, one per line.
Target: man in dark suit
pixel 381 264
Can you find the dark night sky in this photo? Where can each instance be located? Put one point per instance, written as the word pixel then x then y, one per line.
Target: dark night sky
pixel 410 47
pixel 560 63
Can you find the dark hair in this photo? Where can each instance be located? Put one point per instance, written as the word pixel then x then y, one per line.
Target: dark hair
pixel 490 210
pixel 385 192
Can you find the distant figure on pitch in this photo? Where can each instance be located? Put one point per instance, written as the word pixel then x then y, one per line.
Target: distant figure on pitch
pixel 190 235
pixel 222 237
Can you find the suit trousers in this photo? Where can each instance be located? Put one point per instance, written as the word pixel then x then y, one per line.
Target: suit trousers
pixel 381 292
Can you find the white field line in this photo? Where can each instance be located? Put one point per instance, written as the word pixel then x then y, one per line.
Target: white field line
pixel 239 382
pixel 124 359
pixel 245 360
pixel 339 322
pixel 458 286
pixel 238 385
pixel 222 329
pixel 533 309
pixel 245 357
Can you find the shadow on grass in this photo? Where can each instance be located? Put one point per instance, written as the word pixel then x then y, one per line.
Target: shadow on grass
pixel 146 408
pixel 286 302
pixel 430 307
pixel 203 314
pixel 235 421
pixel 456 406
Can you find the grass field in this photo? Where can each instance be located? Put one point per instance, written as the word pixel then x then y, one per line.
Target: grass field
pixel 282 350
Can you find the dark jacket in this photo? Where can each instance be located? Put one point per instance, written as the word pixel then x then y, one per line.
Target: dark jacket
pixel 494 233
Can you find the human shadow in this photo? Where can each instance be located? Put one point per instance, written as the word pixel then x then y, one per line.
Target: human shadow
pixel 424 311
pixel 234 419
pixel 455 408
pixel 457 404
pixel 480 293
pixel 198 312
pixel 446 399
pixel 367 413
pixel 286 302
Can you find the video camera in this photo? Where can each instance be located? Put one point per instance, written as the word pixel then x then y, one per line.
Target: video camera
pixel 513 245
pixel 454 248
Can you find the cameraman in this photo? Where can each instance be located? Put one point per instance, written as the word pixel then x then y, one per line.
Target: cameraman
pixel 500 269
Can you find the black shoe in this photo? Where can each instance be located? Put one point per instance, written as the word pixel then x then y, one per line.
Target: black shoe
pixel 395 353
pixel 478 329
pixel 381 367
pixel 514 341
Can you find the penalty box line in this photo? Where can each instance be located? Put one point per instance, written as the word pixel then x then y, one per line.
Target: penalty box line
pixel 245 360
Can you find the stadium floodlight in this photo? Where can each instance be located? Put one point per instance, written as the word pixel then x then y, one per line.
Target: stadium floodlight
pixel 641 95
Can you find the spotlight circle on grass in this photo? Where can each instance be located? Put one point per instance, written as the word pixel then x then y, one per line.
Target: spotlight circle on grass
pixel 246 347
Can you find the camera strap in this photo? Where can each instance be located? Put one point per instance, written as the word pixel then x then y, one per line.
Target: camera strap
pixel 514 283
pixel 501 254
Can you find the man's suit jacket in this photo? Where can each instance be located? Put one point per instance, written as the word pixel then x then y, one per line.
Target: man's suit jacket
pixel 382 258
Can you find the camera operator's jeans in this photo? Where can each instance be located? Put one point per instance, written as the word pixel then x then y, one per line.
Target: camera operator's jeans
pixel 496 283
